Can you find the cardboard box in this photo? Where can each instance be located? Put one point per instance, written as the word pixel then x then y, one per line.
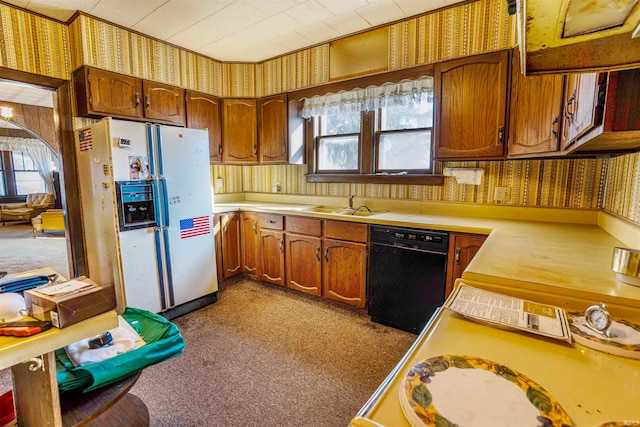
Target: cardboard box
pixel 67 308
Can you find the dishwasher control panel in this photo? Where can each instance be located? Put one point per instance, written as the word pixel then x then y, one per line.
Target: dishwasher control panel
pixel 431 240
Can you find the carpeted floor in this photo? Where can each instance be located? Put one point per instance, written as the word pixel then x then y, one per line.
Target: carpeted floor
pixel 266 356
pixel 19 251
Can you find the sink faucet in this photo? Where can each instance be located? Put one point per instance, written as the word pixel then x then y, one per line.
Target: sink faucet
pixel 351 201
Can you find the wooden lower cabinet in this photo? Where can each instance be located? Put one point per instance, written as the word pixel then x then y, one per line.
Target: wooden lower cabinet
pixel 250 244
pixel 344 271
pixel 462 248
pixel 272 256
pixel 230 244
pixel 303 262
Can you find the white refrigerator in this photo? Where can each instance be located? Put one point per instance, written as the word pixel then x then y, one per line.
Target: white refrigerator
pixel 164 259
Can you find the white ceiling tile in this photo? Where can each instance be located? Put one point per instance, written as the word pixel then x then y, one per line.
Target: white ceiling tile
pixel 60 9
pixel 309 13
pixel 255 34
pixel 271 7
pixel 176 15
pixel 338 7
pixel 380 13
pixel 417 7
pixel 281 24
pixel 347 23
pixel 319 32
pixel 293 41
pixel 204 32
pixel 125 12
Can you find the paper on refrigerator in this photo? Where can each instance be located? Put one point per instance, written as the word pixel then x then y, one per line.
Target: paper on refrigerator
pixel 509 312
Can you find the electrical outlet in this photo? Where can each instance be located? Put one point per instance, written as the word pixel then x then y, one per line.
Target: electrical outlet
pixel 502 194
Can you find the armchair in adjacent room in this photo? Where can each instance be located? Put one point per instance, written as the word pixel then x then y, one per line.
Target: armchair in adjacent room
pixel 35 204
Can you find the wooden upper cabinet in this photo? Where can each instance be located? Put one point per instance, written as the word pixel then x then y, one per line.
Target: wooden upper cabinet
pixel 272 123
pixel 580 100
pixel 536 113
pixel 203 112
pixel 102 93
pixel 163 103
pixel 470 103
pixel 239 131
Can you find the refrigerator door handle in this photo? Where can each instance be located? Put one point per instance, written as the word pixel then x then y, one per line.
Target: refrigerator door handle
pixel 163 200
pixel 167 255
pixel 163 298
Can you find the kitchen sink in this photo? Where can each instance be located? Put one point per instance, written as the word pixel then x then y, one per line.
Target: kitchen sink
pixel 334 210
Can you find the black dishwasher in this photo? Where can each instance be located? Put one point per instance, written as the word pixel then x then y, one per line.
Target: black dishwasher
pixel 407 274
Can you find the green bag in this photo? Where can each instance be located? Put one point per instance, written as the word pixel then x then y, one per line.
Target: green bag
pixel 163 341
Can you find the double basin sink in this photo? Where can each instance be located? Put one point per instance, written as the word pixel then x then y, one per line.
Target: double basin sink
pixel 333 210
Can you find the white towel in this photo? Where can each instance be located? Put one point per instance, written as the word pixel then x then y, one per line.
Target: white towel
pixel 124 339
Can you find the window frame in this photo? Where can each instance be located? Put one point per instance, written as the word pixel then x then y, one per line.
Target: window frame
pixel 367 156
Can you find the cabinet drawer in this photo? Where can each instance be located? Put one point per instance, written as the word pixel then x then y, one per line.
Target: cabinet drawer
pixel 344 230
pixel 274 222
pixel 309 226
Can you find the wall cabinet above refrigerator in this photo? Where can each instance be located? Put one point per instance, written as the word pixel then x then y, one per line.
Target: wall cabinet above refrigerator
pixel 101 93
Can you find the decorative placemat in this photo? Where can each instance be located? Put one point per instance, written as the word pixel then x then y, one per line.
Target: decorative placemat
pixel 471 391
pixel 623 336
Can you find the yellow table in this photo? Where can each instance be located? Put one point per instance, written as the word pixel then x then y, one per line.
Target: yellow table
pixel 32 362
pixel 591 386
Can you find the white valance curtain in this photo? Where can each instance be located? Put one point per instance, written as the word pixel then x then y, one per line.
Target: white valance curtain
pixel 39 153
pixel 404 93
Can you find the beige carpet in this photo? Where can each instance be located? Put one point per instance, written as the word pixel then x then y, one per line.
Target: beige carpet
pixel 260 356
pixel 266 356
pixel 19 251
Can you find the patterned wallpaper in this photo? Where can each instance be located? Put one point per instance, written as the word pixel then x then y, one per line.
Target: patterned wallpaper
pixel 37 45
pixel 33 44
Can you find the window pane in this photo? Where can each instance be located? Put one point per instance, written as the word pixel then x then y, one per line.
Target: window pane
pixel 340 124
pixel 22 161
pixel 401 151
pixel 28 182
pixel 338 153
pixel 407 117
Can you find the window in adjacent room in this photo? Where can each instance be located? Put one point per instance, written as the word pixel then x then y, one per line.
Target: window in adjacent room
pixel 28 179
pixel 3 186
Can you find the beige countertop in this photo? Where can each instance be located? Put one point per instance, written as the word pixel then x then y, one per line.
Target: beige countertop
pixel 571 257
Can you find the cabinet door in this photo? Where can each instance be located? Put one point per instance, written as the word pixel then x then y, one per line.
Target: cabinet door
pixel 163 103
pixel 203 112
pixel 462 249
pixel 303 262
pixel 272 123
pixel 103 93
pixel 239 131
pixel 250 244
pixel 272 256
pixel 471 98
pixel 536 108
pixel 230 225
pixel 580 100
pixel 344 272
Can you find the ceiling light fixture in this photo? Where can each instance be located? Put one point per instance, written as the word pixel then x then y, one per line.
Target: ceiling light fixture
pixel 6 112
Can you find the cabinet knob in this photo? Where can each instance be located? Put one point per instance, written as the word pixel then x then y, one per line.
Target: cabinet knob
pixel 255 227
pixel 281 246
pixel 255 149
pixel 568 109
pixel 220 149
pixel 458 257
pixel 137 99
pixel 326 254
pixel 554 130
pixel 318 253
pixel 500 135
pixel 147 102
